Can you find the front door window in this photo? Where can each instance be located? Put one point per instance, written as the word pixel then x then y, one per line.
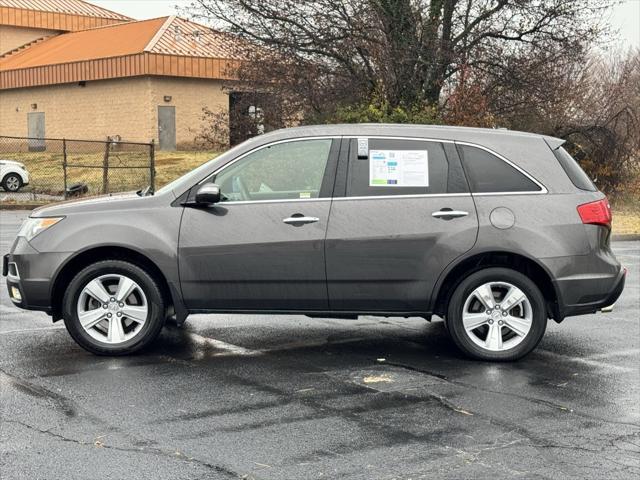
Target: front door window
pixel 283 171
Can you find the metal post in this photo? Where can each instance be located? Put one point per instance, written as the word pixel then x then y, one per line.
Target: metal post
pixel 105 167
pixel 152 165
pixel 64 165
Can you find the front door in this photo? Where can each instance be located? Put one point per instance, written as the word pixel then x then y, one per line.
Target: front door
pixel 405 215
pixel 35 131
pixel 262 247
pixel 167 128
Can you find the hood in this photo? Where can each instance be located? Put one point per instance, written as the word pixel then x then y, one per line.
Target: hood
pixel 114 201
pixel 11 162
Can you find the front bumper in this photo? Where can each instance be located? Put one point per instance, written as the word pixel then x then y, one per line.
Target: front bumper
pixel 30 273
pixel 10 270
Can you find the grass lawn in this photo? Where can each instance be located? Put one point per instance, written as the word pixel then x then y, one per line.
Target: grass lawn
pixel 47 175
pixel 626 218
pixel 171 165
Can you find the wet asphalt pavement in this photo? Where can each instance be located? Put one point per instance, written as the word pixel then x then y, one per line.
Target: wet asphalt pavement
pixel 278 397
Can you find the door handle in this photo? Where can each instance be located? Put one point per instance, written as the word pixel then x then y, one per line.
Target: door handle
pixel 448 214
pixel 301 220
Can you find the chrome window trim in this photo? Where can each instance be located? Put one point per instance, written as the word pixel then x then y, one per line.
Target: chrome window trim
pixel 257 149
pixel 342 199
pixel 416 195
pixel 391 137
pixel 543 190
pixel 283 200
pixel 495 194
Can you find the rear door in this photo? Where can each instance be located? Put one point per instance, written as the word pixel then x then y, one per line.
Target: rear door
pixel 402 213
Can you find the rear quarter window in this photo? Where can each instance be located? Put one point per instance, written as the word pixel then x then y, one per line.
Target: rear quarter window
pixel 575 173
pixel 489 174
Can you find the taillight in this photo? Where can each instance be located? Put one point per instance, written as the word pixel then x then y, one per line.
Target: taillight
pixel 596 213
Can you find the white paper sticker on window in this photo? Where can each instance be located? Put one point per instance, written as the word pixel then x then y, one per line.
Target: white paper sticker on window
pixel 398 168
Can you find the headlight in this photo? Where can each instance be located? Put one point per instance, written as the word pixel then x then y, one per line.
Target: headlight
pixel 33 226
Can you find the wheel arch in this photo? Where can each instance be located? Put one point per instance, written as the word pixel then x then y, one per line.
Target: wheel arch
pixel 456 272
pixel 113 252
pixel 13 171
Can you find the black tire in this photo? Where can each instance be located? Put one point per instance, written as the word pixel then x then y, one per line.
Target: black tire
pixel 8 178
pixel 149 330
pixel 468 285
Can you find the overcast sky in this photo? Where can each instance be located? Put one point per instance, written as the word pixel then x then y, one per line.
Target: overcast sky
pixel 625 17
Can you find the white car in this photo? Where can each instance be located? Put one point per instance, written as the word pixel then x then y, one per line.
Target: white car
pixel 13 175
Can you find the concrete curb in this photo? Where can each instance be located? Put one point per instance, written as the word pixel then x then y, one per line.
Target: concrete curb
pixel 19 206
pixel 628 237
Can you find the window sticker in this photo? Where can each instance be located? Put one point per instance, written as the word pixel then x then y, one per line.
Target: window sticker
pixel 363 148
pixel 398 168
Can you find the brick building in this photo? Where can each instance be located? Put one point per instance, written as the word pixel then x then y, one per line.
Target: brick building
pixel 71 69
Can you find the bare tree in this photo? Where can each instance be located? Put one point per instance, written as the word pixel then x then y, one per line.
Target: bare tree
pixel 523 64
pixel 331 52
pixel 592 102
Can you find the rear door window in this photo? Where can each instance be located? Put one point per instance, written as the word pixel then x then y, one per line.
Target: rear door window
pixel 397 167
pixel 488 173
pixel 575 173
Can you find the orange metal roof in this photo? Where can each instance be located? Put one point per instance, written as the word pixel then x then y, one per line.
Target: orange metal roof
pixel 182 37
pixel 73 7
pixel 167 46
pixel 111 41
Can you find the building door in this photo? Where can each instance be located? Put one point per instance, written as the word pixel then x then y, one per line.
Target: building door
pixel 167 127
pixel 35 129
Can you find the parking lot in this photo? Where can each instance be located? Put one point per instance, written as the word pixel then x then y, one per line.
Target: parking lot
pixel 289 397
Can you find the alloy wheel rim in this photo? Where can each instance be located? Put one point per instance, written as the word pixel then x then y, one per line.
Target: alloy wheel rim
pixel 112 309
pixel 12 183
pixel 497 316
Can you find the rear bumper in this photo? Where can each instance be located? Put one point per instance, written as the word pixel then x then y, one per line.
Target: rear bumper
pixel 593 294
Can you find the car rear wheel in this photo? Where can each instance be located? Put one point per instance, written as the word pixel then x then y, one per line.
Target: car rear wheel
pixel 497 314
pixel 113 308
pixel 12 182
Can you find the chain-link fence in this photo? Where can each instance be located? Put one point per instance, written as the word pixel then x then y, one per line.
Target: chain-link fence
pixel 45 169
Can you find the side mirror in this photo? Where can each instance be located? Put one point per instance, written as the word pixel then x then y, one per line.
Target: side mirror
pixel 208 194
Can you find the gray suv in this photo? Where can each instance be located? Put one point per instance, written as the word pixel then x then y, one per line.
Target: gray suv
pixel 495 231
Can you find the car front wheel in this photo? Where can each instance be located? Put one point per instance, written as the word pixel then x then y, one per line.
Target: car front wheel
pixel 113 307
pixel 497 314
pixel 12 182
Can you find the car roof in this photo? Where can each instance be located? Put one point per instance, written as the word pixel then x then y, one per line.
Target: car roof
pixel 436 132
